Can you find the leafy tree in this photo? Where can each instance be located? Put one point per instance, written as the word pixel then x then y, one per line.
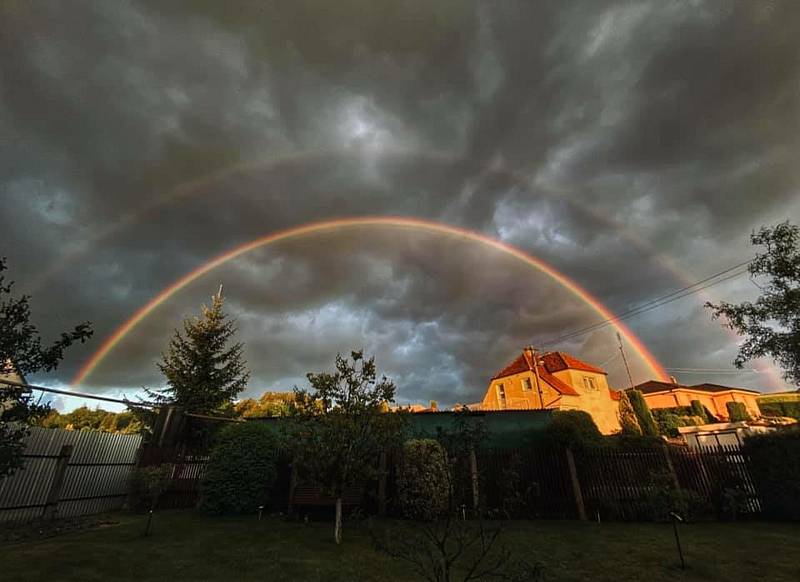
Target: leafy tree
pixel 22 352
pixel 203 372
pixel 84 418
pixel 771 325
pixel 340 427
pixel 268 404
pixel 643 414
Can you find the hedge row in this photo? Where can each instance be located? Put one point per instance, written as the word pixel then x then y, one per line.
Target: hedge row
pixel 775 468
pixel 789 408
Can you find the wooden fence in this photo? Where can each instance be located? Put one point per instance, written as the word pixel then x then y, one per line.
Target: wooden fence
pixel 69 473
pixel 615 484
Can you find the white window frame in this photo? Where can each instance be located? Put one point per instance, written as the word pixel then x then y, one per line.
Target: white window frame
pixel 589 383
pixel 527 385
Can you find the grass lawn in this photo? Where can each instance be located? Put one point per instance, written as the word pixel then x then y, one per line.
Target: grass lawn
pixel 189 546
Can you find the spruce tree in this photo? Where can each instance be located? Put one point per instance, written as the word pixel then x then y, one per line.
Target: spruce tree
pixel 203 371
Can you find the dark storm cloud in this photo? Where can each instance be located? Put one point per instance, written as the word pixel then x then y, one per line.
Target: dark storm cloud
pixel 608 138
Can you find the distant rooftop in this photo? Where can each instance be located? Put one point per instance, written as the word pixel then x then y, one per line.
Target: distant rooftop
pixel 653 386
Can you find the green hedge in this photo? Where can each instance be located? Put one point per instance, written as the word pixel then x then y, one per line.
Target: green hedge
pixel 775 468
pixel 737 411
pixel 572 428
pixel 790 408
pixel 423 481
pixel 241 469
pixel 643 414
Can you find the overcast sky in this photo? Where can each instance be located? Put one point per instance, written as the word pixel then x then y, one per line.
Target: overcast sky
pixel 631 145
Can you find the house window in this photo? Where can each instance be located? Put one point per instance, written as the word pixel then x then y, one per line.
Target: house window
pixel 501 394
pixel 526 384
pixel 588 383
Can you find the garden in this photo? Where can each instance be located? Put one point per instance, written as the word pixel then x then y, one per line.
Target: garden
pixel 189 545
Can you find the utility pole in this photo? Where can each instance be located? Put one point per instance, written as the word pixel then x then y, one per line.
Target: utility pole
pixel 532 351
pixel 625 360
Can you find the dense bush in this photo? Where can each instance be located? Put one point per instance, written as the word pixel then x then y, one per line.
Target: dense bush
pixel 423 480
pixel 775 468
pixel 241 469
pixel 573 428
pixel 737 411
pixel 146 485
pixel 697 409
pixel 662 497
pixel 643 414
pixel 790 408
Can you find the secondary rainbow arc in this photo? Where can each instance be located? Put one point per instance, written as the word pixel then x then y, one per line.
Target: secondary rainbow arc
pixel 377 221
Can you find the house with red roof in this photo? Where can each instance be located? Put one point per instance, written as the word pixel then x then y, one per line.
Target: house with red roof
pixel 554 381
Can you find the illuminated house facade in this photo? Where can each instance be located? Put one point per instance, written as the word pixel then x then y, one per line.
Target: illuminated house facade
pixel 555 381
pixel 713 396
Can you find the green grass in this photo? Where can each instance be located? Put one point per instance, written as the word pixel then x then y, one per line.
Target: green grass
pixel 190 546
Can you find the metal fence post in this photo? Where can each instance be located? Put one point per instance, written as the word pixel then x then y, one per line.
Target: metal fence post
pixel 576 485
pixel 51 506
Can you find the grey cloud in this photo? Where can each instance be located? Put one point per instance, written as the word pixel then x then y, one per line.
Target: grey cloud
pixel 607 138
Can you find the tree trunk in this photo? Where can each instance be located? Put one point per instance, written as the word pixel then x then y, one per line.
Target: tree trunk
pixel 337 531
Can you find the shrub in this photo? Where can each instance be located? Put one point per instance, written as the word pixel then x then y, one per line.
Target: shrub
pixel 146 485
pixel 697 409
pixel 775 468
pixel 643 414
pixel 573 428
pixel 661 497
pixel 668 424
pixel 790 408
pixel 241 469
pixel 737 411
pixel 423 479
pixel 627 416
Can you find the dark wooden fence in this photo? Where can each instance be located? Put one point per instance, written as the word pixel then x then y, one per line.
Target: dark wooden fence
pixel 615 484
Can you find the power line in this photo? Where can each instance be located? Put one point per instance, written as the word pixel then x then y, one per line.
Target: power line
pixel 712 371
pixel 657 302
pixel 79 394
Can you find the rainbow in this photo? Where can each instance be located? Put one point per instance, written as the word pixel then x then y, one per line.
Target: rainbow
pixel 381 221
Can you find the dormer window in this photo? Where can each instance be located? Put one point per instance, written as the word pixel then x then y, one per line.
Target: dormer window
pixel 589 384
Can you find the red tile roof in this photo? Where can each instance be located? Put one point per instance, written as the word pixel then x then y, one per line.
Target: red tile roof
pixel 549 363
pixel 614 394
pixel 557 361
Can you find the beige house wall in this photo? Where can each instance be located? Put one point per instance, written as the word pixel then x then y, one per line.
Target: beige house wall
pixel 516 396
pixel 715 402
pixel 597 402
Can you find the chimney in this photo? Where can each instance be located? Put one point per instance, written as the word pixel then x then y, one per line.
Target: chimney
pixel 673 379
pixel 528 350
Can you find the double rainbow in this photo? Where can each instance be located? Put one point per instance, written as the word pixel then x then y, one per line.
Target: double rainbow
pixel 382 221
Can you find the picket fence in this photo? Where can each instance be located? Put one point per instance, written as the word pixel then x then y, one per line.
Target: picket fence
pixel 68 474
